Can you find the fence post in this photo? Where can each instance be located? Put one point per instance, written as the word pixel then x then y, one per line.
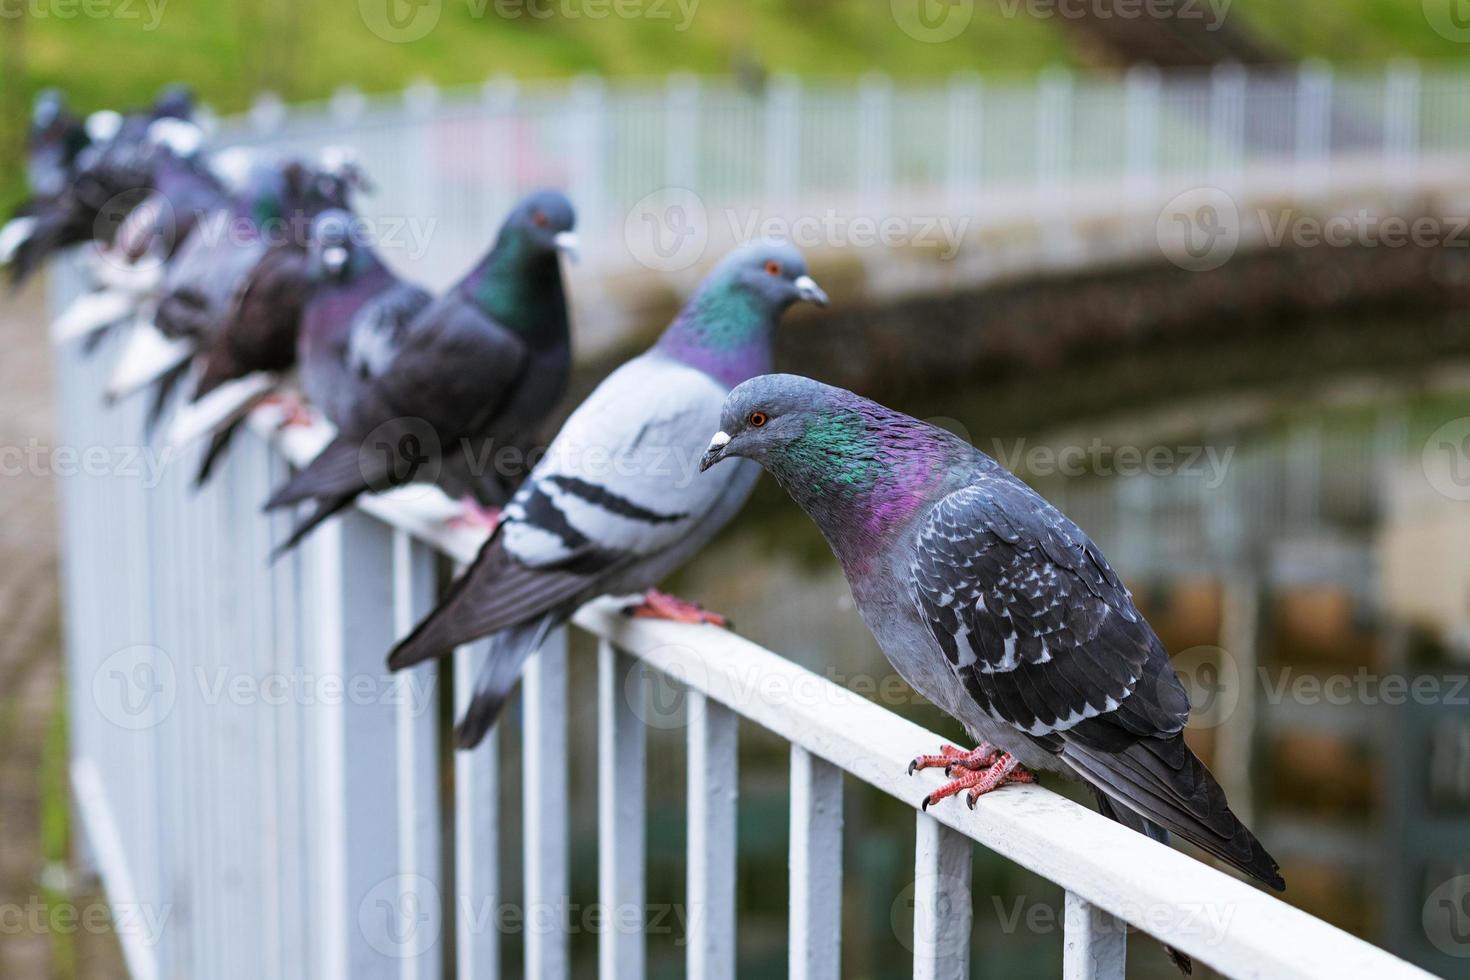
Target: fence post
pixel 1094 942
pixel 1227 124
pixel 964 164
pixel 1142 88
pixel 621 824
pixel 1401 121
pixel 1313 126
pixel 346 105
pixel 498 142
pixel 942 912
pixel 816 868
pixel 476 833
pixel 544 798
pixel 783 141
pixel 713 789
pixel 589 142
pixel 682 143
pixel 875 145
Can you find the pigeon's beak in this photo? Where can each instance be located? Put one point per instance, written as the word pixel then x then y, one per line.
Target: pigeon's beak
pixel 334 257
pixel 715 452
pixel 807 289
pixel 566 242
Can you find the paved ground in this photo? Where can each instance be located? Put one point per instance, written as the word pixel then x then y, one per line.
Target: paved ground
pixel 44 915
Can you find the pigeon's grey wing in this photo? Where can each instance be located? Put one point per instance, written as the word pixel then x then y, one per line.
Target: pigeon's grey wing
pixel 380 328
pixel 1043 635
pixel 454 370
pixel 1032 618
pixel 619 483
pixel 451 372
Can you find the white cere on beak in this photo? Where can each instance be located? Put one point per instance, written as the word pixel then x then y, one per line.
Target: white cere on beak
pixel 103 125
pixel 335 256
pixel 566 241
pixel 720 441
pixel 807 289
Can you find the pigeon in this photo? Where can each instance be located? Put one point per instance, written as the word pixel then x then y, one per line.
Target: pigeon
pixel 109 173
pixel 995 606
pixel 56 138
pixel 209 288
pixel 615 505
pixel 478 372
pixel 356 318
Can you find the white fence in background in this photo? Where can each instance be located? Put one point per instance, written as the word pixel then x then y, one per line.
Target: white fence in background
pixel 1020 177
pixel 311 830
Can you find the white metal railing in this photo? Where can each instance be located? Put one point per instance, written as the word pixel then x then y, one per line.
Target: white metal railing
pixel 295 830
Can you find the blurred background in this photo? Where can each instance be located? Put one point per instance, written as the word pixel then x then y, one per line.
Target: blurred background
pixel 1200 272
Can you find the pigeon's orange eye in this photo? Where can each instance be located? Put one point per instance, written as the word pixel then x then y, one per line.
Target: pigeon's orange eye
pixel 773 268
pixel 757 419
pixel 540 218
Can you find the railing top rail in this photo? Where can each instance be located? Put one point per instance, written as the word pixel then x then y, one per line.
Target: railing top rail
pixel 1194 907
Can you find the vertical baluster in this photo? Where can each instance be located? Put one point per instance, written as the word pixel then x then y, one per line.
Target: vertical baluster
pixel 476 835
pixel 621 834
pixel 713 759
pixel 378 919
pixel 1095 945
pixel 417 737
pixel 816 868
pixel 544 765
pixel 941 902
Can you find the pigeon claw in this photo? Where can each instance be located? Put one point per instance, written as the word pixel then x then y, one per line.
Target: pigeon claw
pixel 661 605
pixel 951 756
pixel 979 778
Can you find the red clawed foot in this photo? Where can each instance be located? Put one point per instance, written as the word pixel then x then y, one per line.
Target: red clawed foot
pixel 661 605
pixel 951 756
pixel 293 409
pixel 472 514
pixel 977 775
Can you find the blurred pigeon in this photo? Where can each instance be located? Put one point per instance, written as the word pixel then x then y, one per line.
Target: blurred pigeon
pixel 211 281
pixel 615 505
pixel 356 319
pixel 994 606
pixel 110 173
pixel 479 371
pixel 55 139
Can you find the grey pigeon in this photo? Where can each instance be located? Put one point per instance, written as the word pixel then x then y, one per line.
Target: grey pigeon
pixel 55 139
pixel 356 319
pixel 616 505
pixel 479 371
pixel 993 605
